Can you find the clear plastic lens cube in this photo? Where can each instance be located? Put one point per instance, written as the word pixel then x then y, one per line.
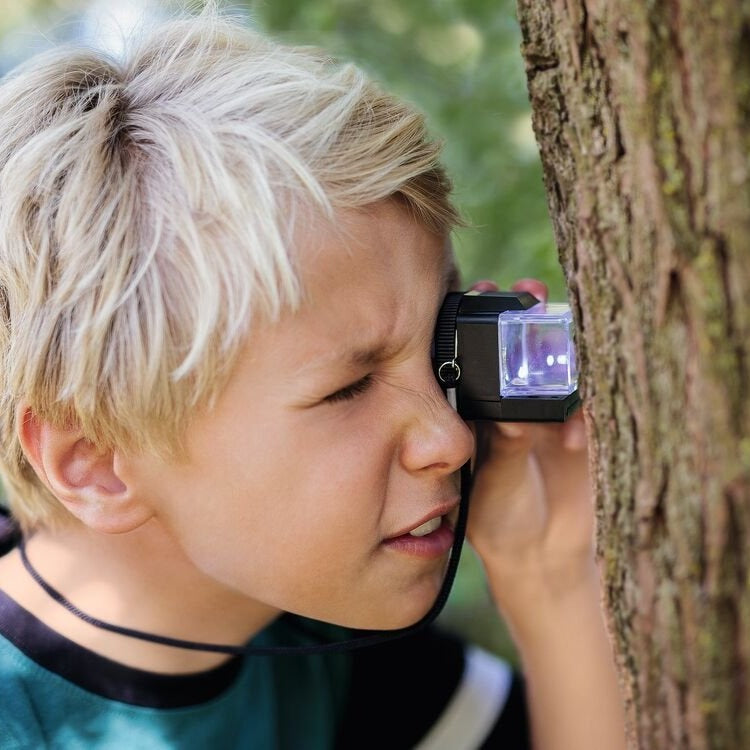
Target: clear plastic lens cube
pixel 537 355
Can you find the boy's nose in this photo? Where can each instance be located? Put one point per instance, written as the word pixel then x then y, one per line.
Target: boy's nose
pixel 436 438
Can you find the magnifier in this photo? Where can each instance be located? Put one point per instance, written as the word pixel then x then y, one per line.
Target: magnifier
pixel 506 356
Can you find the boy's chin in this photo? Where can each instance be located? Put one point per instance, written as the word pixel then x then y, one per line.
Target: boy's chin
pixel 392 615
pixel 403 619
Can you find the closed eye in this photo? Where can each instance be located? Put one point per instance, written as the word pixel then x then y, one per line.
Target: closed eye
pixel 350 391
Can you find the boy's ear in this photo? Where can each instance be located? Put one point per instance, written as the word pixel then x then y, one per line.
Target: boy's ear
pixel 82 477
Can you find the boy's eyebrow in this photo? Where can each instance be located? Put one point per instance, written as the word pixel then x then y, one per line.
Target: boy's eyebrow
pixel 359 356
pixel 365 353
pixel 371 355
pixel 379 351
pixel 366 356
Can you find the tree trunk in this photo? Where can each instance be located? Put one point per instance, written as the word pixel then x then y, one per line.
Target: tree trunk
pixel 642 113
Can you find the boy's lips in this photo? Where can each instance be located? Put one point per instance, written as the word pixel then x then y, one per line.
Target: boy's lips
pixel 441 510
pixel 430 546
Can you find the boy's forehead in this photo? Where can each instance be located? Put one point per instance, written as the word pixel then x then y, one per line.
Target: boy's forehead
pixel 383 240
pixel 365 280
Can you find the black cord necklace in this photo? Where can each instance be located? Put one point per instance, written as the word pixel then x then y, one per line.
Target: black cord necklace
pixel 363 637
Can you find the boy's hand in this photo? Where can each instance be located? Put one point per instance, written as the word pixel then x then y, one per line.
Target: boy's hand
pixel 531 522
pixel 531 517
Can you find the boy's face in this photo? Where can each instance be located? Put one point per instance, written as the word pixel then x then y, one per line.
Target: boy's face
pixel 300 494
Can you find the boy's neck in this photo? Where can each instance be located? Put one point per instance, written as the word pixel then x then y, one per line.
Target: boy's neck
pixel 140 580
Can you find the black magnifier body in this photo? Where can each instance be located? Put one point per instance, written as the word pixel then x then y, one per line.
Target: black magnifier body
pixel 506 356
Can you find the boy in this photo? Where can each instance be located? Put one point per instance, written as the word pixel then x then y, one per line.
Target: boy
pixel 222 260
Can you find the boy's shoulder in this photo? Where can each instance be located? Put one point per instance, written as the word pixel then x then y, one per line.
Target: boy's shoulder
pixel 427 684
pixel 56 693
pixel 19 727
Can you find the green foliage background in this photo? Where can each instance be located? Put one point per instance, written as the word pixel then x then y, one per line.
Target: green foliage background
pixel 458 61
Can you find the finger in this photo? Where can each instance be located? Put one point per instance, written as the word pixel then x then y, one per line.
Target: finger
pixel 532 286
pixel 512 430
pixel 500 441
pixel 560 437
pixel 574 434
pixel 485 285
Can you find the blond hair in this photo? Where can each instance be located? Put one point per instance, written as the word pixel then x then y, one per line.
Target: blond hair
pixel 146 217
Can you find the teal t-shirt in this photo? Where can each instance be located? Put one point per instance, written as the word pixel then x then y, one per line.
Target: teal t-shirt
pixel 56 694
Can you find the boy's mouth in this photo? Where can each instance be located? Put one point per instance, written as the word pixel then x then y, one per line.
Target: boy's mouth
pixel 427 527
pixel 446 512
pixel 431 537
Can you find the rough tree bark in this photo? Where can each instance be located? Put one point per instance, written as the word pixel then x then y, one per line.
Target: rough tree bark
pixel 642 113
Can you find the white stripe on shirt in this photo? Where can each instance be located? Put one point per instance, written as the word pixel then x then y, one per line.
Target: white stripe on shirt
pixel 475 706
